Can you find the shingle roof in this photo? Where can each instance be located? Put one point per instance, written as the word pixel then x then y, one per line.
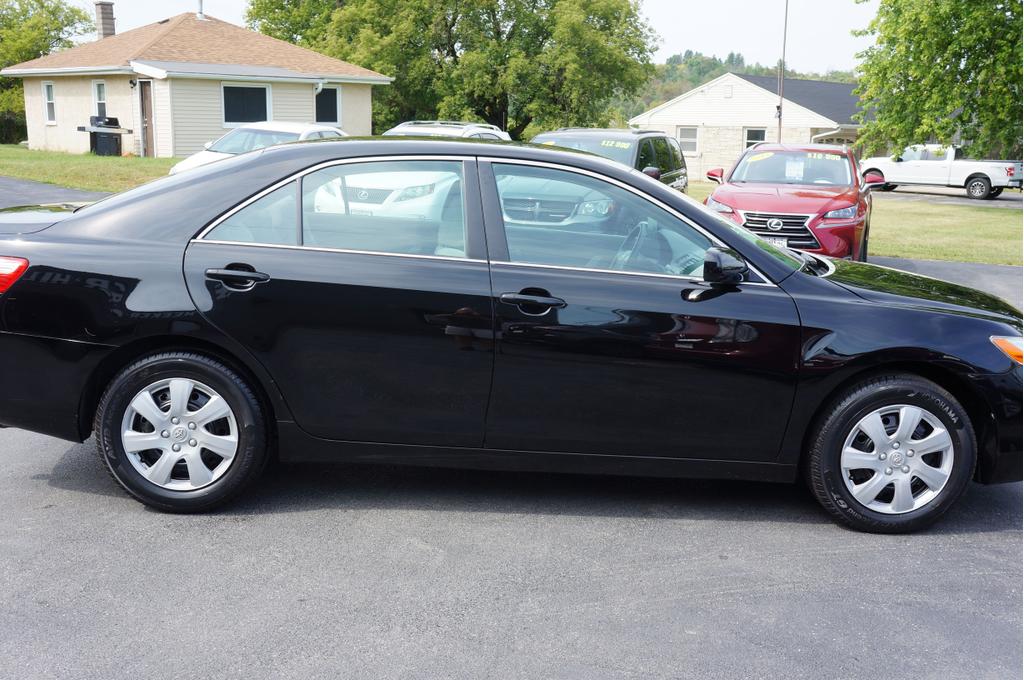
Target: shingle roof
pixel 186 38
pixel 835 101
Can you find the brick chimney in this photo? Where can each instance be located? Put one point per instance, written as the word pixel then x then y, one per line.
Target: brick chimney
pixel 104 19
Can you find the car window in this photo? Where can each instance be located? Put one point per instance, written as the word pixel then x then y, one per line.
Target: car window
pixel 270 220
pixel 241 140
pixel 486 135
pixel 647 158
pixel 663 154
pixel 618 150
pixel 562 218
pixel 912 154
pixel 794 167
pixel 411 207
pixel 677 153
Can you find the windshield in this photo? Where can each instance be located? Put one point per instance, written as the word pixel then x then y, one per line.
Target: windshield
pixel 241 140
pixel 794 167
pixel 615 149
pixel 784 255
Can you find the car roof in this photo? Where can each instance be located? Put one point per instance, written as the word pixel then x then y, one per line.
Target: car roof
pixel 766 146
pixel 444 125
pixel 621 134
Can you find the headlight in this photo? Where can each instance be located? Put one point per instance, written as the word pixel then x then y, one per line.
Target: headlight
pixel 599 208
pixel 415 192
pixel 1010 345
pixel 842 213
pixel 717 206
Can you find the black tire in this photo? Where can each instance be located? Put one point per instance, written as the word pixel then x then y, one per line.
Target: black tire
pixel 245 466
pixel 995 192
pixel 823 468
pixel 978 188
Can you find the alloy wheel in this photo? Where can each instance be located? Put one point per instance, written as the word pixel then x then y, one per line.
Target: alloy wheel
pixel 897 459
pixel 977 188
pixel 179 434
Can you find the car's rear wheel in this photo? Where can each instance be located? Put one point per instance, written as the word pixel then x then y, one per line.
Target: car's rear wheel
pixel 181 432
pixel 978 188
pixel 891 454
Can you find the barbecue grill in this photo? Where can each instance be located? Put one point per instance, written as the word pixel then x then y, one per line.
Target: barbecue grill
pixel 104 135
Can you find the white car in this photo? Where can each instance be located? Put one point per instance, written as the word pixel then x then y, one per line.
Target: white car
pixel 448 128
pixel 944 166
pixel 256 136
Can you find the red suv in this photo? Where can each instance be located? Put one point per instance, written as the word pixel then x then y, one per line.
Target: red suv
pixel 807 196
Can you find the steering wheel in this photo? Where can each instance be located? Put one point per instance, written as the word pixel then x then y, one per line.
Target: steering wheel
pixel 631 245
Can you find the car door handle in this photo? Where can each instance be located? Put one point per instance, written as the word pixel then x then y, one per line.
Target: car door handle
pixel 520 299
pixel 237 278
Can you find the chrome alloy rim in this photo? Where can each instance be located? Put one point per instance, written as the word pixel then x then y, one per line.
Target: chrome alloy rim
pixel 977 188
pixel 179 434
pixel 897 459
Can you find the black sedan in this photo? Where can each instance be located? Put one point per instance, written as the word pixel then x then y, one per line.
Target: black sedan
pixel 487 305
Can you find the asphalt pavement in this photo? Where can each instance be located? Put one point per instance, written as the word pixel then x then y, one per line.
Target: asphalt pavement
pixel 1009 198
pixel 389 572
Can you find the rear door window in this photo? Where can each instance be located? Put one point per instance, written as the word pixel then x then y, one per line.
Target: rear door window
pixel 663 154
pixel 270 220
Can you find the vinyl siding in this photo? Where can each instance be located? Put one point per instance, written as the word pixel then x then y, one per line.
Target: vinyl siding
pixel 722 110
pixel 73 99
pixel 195 114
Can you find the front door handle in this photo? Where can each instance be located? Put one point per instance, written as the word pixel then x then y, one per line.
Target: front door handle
pixel 237 279
pixel 532 305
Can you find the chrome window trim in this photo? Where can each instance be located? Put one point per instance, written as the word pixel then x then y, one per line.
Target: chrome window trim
pixel 320 166
pixel 588 270
pixel 765 281
pixel 346 251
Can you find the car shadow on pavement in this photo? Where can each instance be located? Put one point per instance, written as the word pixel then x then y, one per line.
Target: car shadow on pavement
pixel 307 487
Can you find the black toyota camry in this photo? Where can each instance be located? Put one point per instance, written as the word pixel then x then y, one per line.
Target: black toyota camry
pixel 489 305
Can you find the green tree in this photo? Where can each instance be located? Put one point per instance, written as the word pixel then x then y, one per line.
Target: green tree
pixel 519 64
pixel 303 22
pixel 31 29
pixel 943 67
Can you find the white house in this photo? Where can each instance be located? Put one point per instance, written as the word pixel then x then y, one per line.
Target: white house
pixel 715 122
pixel 178 83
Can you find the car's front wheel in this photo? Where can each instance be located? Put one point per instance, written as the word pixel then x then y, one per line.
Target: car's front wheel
pixel 891 454
pixel 181 432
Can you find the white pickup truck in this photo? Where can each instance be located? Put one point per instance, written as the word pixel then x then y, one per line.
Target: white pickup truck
pixel 945 166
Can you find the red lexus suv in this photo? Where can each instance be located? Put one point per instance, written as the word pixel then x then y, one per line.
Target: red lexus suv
pixel 808 196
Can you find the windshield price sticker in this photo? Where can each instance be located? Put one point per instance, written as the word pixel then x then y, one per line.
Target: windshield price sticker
pixel 794 169
pixel 614 144
pixel 760 156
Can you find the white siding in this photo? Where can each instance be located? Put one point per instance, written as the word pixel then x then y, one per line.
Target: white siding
pixel 722 110
pixel 293 102
pixel 356 109
pixel 163 128
pixel 73 104
pixel 196 114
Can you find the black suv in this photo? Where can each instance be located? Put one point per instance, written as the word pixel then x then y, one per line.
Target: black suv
pixel 649 151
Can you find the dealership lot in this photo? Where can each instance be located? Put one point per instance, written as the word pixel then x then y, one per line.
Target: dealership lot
pixel 406 572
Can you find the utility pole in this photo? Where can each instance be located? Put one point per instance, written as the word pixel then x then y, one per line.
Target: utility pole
pixel 782 68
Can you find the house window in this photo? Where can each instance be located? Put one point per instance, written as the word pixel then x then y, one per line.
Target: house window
pixel 327 109
pixel 49 106
pixel 246 104
pixel 752 136
pixel 99 97
pixel 687 137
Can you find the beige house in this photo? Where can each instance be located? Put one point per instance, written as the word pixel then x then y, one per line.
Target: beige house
pixel 181 82
pixel 715 122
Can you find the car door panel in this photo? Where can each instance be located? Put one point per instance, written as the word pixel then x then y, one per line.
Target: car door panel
pixel 364 346
pixel 621 363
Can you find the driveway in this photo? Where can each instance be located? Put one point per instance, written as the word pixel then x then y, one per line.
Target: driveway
pixel 23 192
pixel 1003 280
pixel 949 196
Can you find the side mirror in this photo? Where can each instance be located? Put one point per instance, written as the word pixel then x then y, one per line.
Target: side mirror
pixel 873 180
pixel 207 145
pixel 716 174
pixel 652 171
pixel 723 266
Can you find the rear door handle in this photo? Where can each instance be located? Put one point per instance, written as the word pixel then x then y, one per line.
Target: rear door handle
pixel 237 278
pixel 520 299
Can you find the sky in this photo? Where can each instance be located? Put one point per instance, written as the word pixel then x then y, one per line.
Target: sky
pixel 819 30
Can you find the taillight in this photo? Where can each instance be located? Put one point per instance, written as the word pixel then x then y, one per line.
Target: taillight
pixel 1010 170
pixel 11 269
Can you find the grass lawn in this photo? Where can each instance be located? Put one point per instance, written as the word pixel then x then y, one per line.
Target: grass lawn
pixel 81 171
pixel 923 230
